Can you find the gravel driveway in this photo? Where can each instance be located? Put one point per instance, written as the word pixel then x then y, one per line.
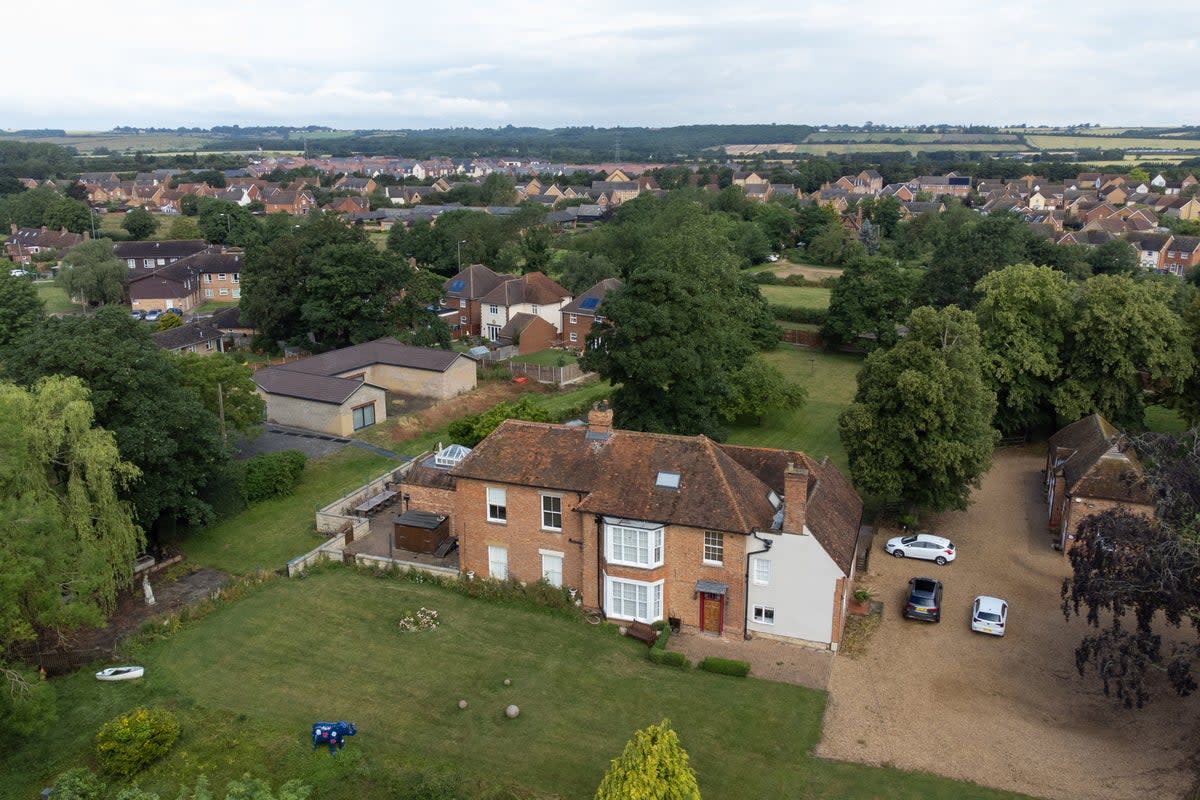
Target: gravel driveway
pixel 1007 712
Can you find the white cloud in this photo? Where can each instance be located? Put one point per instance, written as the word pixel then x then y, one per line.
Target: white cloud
pixel 385 64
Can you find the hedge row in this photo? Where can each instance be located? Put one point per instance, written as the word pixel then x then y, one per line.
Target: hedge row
pixel 658 652
pixel 812 316
pixel 725 666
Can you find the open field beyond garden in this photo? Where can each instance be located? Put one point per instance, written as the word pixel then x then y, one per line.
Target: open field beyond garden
pixel 1110 142
pixel 829 379
pixel 796 296
pixel 821 148
pixel 249 679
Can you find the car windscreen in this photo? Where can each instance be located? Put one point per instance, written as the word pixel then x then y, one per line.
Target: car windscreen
pixel 987 616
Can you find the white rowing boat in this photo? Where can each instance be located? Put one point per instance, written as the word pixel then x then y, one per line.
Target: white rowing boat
pixel 120 673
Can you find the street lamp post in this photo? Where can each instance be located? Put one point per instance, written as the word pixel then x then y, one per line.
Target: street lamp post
pixel 461 242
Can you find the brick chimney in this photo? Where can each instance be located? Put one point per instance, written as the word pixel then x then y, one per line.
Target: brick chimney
pixel 795 498
pixel 600 417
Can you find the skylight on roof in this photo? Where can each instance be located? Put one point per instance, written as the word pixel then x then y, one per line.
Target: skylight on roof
pixel 451 455
pixel 588 303
pixel 667 480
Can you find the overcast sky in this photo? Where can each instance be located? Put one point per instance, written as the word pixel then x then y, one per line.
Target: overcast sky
pixel 403 64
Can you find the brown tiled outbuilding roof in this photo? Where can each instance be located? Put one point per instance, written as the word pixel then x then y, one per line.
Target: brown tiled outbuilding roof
pixel 318 388
pixel 381 351
pixel 1097 462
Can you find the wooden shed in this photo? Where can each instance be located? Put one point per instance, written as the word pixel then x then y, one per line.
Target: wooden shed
pixel 422 531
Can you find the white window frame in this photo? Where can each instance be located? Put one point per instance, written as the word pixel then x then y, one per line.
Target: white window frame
pixel 716 548
pixel 359 415
pixel 498 562
pixel 492 309
pixel 235 277
pixel 237 293
pixel 223 292
pixel 573 319
pixel 497 505
pixel 646 540
pixel 761 572
pixel 574 336
pixel 548 514
pixel 208 293
pixel 764 615
pixel 220 276
pixel 208 277
pixel 552 577
pixel 647 599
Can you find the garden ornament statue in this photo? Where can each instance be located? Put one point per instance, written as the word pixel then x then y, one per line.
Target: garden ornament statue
pixel 332 734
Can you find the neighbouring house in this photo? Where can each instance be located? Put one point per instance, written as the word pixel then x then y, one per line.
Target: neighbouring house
pixel 149 255
pixel 343 390
pixel 1183 254
pixel 579 314
pixel 529 333
pixel 211 274
pixel 25 243
pixel 237 331
pixel 733 541
pixel 194 337
pixel 1090 468
pixel 464 292
pixel 532 293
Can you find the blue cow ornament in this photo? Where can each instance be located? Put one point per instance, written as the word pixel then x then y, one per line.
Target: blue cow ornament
pixel 332 734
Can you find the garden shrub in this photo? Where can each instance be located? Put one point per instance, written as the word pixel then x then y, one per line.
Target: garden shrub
pixel 78 784
pixel 272 475
pixel 725 666
pixel 668 658
pixel 130 742
pixel 811 316
pixel 664 633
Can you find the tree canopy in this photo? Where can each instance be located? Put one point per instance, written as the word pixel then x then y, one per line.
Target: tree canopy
pixel 92 273
pixel 653 766
pixel 160 426
pixel 21 309
pixel 678 334
pixel 867 304
pixel 140 223
pixel 225 387
pixel 919 430
pixel 70 540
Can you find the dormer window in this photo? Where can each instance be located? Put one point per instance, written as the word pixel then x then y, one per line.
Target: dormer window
pixel 667 480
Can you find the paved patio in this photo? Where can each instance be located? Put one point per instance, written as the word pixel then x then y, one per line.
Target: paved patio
pixel 378 543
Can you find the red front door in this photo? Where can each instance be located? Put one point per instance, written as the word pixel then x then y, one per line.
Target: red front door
pixel 712 613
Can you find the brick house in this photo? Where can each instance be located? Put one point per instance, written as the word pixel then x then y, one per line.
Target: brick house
pixel 150 255
pixel 464 292
pixel 24 243
pixel 1183 253
pixel 579 314
pixel 1151 249
pixel 532 293
pixel 529 333
pixel 1090 468
pixel 195 337
pixel 732 541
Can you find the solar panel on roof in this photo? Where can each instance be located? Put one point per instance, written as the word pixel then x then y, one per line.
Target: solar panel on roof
pixel 588 303
pixel 456 286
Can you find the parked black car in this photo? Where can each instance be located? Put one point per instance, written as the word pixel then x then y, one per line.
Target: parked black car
pixel 924 600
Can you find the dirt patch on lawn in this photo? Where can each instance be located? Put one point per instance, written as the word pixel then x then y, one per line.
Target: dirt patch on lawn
pixel 814 274
pixel 420 416
pixel 1007 712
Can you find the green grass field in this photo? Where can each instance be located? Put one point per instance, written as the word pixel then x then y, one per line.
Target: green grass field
pixel 830 379
pixel 796 296
pixel 55 298
pixel 1108 142
pixel 269 534
pixel 249 679
pixel 547 358
pixel 820 149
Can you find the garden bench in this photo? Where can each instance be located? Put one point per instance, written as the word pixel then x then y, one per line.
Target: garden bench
pixel 642 632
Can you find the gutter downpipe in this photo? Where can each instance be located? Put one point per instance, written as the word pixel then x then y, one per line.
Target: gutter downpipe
pixel 746 592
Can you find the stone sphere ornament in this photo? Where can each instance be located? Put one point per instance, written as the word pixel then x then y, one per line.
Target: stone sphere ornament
pixel 507 682
pixel 462 703
pixel 512 711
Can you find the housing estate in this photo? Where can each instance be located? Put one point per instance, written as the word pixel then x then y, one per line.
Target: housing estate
pixel 213 273
pixel 733 541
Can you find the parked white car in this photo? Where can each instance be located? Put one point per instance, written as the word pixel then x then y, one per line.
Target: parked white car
pixel 922 545
pixel 989 615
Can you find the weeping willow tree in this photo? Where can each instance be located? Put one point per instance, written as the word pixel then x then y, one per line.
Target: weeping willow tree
pixel 70 542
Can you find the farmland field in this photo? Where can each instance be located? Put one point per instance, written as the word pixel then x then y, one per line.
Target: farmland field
pixel 820 149
pixel 1108 142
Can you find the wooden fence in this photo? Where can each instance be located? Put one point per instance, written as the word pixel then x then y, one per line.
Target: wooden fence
pixel 546 374
pixel 809 339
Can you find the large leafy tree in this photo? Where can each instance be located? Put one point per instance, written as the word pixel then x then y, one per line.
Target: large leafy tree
pixel 21 310
pixel 160 426
pixel 678 334
pixel 140 223
pixel 1114 257
pixel 92 273
pixel 1132 575
pixel 275 280
pixel 67 213
pixel 653 766
pixel 919 429
pixel 1186 400
pixel 225 387
pixel 1124 337
pixel 70 540
pixel 1023 316
pixel 223 222
pixel 350 294
pixel 868 303
pixel 581 271
pixel 969 252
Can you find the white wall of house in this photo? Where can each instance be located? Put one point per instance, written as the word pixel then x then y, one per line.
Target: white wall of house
pixel 801 589
pixel 551 313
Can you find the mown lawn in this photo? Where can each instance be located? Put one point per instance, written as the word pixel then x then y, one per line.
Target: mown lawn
pixel 796 296
pixel 55 298
pixel 548 358
pixel 249 679
pixel 269 534
pixel 830 379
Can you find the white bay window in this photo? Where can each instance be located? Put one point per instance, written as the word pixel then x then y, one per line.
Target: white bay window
pixel 633 600
pixel 633 546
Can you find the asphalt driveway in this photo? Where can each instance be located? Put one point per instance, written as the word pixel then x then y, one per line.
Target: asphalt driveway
pixel 1007 712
